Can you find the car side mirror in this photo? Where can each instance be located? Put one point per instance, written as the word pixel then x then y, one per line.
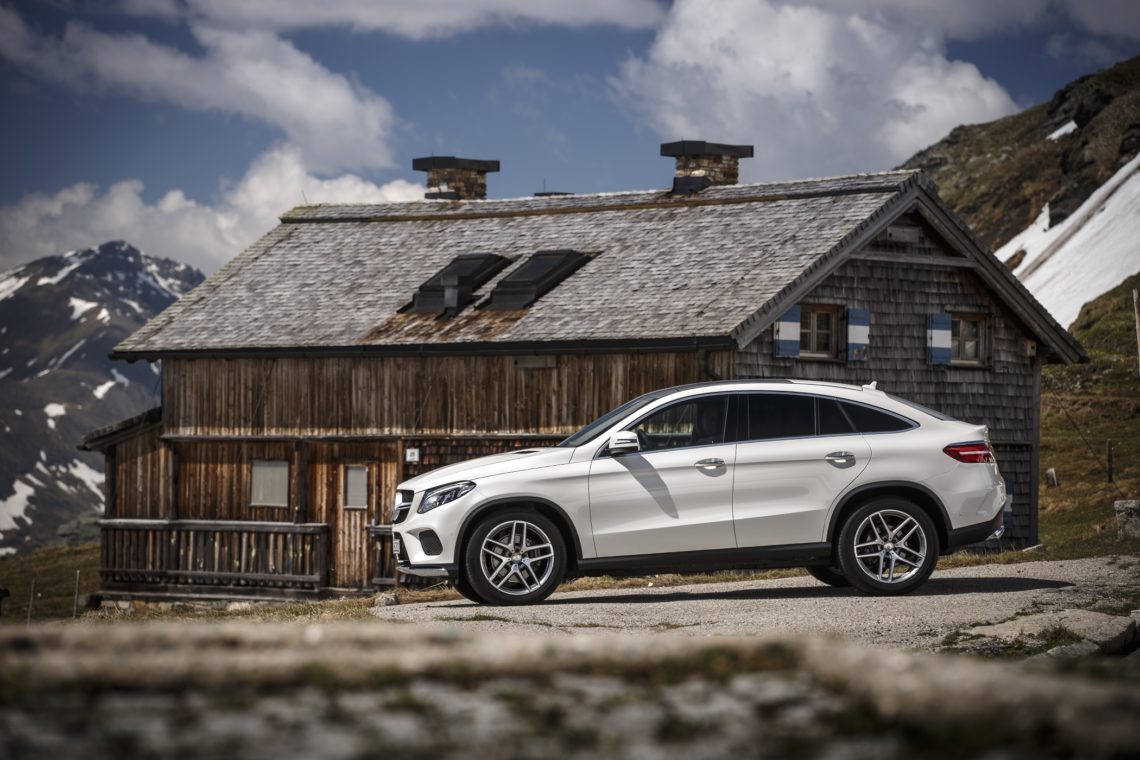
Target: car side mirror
pixel 624 442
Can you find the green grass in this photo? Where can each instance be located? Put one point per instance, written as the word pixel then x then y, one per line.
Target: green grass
pixel 53 570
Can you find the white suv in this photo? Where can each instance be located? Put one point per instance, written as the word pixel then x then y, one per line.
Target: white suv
pixel 859 487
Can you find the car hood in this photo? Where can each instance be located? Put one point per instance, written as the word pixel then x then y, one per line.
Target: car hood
pixel 496 464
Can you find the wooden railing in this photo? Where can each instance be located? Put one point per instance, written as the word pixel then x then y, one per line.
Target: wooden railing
pixel 384 562
pixel 214 553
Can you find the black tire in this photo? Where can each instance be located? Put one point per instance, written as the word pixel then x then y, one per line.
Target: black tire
pixel 832 576
pixel 873 528
pixel 542 573
pixel 463 587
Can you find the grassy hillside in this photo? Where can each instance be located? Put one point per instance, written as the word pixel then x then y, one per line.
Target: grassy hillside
pixel 1082 407
pixel 999 175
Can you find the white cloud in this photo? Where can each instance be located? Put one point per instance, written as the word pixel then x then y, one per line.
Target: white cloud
pixel 176 226
pixel 817 88
pixel 338 124
pixel 1111 18
pixel 418 19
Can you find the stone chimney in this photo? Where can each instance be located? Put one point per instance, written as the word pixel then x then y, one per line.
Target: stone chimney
pixel 702 164
pixel 456 179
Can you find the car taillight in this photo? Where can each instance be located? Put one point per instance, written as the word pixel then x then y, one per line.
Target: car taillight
pixel 970 453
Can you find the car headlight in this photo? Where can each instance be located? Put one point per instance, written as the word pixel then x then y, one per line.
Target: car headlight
pixel 437 497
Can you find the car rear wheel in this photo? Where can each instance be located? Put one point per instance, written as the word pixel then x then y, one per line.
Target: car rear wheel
pixel 888 547
pixel 832 576
pixel 514 557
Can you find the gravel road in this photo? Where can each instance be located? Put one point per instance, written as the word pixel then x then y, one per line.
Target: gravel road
pixel 951 599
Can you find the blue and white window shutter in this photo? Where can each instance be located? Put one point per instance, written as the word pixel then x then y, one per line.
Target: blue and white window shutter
pixel 938 338
pixel 787 334
pixel 858 334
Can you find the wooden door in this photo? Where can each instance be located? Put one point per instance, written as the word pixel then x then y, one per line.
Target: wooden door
pixel 363 488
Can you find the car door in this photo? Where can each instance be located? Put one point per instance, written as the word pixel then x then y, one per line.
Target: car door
pixel 673 495
pixel 799 453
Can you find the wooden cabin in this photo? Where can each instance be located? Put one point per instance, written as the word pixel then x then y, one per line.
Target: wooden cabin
pixel 355 346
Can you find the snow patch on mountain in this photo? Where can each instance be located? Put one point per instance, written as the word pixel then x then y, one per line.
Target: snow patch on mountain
pixel 1088 253
pixel 117 378
pixel 15 506
pixel 11 283
pixel 59 276
pixel 101 390
pixel 1065 129
pixel 79 307
pixel 52 411
pixel 89 476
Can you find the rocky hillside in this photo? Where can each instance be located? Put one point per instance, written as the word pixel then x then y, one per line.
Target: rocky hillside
pixel 1000 175
pixel 60 317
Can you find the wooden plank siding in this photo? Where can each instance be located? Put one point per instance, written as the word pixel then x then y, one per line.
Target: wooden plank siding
pixel 137 483
pixel 398 396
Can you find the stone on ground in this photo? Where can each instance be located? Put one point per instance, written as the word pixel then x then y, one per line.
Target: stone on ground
pixel 1110 633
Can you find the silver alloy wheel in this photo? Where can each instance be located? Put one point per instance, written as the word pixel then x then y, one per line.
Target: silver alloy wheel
pixel 517 557
pixel 890 546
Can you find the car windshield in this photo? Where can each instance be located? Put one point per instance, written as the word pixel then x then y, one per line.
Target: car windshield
pixel 924 409
pixel 609 418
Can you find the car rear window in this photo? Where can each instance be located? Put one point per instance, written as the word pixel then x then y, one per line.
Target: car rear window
pixel 832 421
pixel 868 420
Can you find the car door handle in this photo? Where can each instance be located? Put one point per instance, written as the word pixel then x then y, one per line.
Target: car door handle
pixel 709 464
pixel 841 458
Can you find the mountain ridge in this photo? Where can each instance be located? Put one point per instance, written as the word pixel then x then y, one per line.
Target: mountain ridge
pixel 60 316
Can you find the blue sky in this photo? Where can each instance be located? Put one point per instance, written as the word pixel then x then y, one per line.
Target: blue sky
pixel 185 126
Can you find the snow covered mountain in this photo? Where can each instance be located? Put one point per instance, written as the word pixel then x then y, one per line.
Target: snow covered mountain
pixel 60 317
pixel 1092 251
pixel 1055 189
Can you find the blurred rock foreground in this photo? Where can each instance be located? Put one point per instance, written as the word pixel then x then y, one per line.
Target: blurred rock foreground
pixel 352 690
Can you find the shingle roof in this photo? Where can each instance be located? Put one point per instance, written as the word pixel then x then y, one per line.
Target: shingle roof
pixel 663 267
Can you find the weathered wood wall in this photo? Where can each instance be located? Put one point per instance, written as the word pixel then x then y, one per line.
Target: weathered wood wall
pixel 138 476
pixel 1002 393
pixel 214 480
pixel 393 396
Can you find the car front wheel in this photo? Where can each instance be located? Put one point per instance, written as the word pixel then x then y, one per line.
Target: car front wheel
pixel 888 547
pixel 514 557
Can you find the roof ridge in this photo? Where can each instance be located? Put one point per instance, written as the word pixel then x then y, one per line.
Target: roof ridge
pixel 714 196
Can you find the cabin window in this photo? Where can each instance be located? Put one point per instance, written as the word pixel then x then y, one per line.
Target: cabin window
pixel 818 328
pixel 967 339
pixel 270 483
pixel 355 486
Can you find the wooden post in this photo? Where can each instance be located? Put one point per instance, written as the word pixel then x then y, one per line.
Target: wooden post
pixel 300 482
pixel 31 598
pixel 75 604
pixel 1108 458
pixel 1136 313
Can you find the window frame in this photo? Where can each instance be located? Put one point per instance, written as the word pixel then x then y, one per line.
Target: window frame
pixel 253 501
pixel 957 319
pixel 344 468
pixel 808 351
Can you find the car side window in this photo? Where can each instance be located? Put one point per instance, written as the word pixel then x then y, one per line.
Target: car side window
pixel 832 421
pixel 692 422
pixel 868 420
pixel 780 415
